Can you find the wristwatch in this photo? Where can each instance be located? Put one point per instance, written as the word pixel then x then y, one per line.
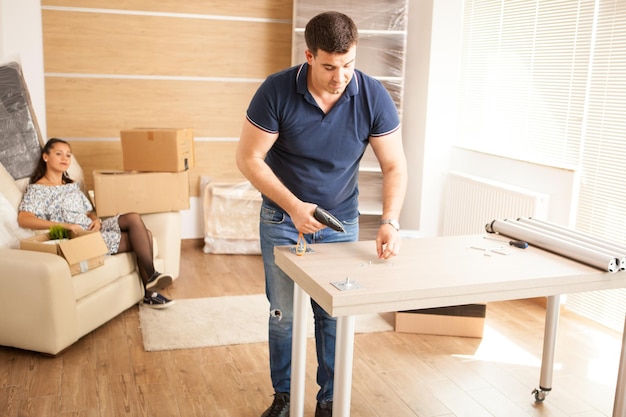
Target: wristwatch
pixel 393 222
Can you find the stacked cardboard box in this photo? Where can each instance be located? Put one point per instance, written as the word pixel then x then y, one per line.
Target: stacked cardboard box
pixel 155 177
pixel 160 150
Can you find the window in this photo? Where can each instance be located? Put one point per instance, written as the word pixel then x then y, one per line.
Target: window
pixel 545 81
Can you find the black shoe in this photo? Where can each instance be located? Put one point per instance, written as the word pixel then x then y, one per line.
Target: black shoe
pixel 279 407
pixel 158 281
pixel 156 300
pixel 324 409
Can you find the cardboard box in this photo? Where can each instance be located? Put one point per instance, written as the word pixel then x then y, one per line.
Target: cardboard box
pixel 119 192
pixel 160 150
pixel 465 320
pixel 83 251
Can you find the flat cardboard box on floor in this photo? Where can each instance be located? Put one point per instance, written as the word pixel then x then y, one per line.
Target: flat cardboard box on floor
pixel 83 251
pixel 465 320
pixel 160 150
pixel 119 192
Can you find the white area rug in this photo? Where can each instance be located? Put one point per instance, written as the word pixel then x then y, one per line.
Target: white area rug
pixel 202 322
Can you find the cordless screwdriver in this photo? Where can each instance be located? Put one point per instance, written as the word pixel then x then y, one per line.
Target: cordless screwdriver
pixel 328 219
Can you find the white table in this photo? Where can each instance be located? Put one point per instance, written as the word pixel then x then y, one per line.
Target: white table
pixel 429 272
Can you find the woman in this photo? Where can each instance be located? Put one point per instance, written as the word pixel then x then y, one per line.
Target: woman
pixel 53 198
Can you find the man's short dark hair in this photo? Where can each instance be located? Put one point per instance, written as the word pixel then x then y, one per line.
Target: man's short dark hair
pixel 332 32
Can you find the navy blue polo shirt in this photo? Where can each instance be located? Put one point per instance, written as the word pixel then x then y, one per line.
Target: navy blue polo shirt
pixel 317 155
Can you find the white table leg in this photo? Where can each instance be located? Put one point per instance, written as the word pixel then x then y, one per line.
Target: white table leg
pixel 619 407
pixel 553 306
pixel 344 353
pixel 301 302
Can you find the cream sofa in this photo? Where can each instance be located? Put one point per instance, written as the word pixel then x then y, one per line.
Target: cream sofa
pixel 45 309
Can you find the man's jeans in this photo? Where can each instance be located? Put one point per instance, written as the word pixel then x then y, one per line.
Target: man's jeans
pixel 277 229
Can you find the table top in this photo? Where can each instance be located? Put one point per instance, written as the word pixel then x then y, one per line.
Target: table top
pixel 434 272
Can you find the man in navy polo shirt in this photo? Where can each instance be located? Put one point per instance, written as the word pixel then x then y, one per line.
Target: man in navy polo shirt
pixel 304 135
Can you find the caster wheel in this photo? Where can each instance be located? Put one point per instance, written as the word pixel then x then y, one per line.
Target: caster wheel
pixel 539 395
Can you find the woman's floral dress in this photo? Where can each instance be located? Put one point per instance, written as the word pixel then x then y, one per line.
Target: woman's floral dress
pixel 68 204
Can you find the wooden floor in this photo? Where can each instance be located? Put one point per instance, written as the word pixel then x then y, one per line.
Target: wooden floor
pixel 108 374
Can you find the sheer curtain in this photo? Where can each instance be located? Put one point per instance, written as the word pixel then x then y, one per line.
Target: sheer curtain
pixel 545 81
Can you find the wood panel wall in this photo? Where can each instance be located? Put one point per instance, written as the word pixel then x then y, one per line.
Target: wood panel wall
pixel 118 64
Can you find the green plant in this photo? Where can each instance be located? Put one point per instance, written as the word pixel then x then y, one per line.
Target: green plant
pixel 59 232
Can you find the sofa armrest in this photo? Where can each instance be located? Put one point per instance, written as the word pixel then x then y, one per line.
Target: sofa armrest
pixel 166 229
pixel 37 301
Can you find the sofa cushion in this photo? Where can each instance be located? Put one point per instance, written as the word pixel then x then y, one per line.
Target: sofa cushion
pixel 10 196
pixel 9 189
pixel 10 232
pixel 115 266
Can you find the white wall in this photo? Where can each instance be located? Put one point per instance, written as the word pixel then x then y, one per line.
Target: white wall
pixel 560 184
pixel 429 118
pixel 21 41
pixel 414 107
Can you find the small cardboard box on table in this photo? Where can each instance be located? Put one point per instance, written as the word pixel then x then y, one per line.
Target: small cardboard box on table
pixel 463 320
pixel 157 149
pixel 83 251
pixel 119 192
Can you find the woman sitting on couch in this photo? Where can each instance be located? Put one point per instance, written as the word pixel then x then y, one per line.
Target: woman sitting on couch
pixel 53 198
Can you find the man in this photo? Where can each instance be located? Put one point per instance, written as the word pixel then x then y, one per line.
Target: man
pixel 305 132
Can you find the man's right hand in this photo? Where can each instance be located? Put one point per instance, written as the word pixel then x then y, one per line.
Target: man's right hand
pixel 303 220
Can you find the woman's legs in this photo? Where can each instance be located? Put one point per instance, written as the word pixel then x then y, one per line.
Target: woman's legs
pixel 137 238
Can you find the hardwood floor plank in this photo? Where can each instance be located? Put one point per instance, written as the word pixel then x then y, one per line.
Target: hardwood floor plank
pixel 496 403
pixel 544 409
pixel 158 400
pixel 153 367
pixel 117 395
pixel 197 406
pixel 500 378
pixel 93 412
pixel 459 402
pixel 78 388
pixel 412 388
pixel 188 369
pixel 457 371
pixel 10 400
pixel 39 406
pixel 44 378
pixel 381 398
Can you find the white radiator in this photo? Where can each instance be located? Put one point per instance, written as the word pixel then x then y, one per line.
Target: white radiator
pixel 472 202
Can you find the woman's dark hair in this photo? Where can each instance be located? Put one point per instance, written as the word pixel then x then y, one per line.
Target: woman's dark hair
pixel 332 32
pixel 40 170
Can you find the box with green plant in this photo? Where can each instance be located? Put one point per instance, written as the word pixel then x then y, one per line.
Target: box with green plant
pixel 58 233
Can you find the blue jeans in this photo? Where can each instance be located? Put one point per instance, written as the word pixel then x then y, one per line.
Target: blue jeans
pixel 277 229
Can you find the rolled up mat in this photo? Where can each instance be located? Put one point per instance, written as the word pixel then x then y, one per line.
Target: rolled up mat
pixel 609 247
pixel 560 234
pixel 553 244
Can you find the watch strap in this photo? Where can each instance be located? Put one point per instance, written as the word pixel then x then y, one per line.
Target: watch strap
pixel 392 222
